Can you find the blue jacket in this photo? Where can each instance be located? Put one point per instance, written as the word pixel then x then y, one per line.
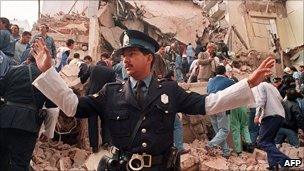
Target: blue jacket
pixel 218 83
pixel 7 43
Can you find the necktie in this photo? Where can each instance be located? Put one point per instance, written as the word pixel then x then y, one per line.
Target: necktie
pixel 139 93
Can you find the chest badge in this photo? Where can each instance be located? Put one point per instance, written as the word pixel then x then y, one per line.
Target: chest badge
pixel 164 98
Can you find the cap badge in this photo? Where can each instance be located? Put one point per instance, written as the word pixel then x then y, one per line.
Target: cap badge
pixel 164 98
pixel 126 40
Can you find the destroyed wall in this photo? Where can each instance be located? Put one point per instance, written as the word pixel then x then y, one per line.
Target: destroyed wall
pixel 291 29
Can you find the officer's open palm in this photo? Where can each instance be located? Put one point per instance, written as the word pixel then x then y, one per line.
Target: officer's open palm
pixel 42 55
pixel 263 71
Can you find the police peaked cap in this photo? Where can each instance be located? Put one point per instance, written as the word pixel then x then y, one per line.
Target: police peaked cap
pixel 134 38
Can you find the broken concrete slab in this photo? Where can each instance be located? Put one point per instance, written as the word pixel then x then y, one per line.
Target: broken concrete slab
pixel 259 154
pixel 105 15
pixel 79 158
pixel 181 18
pixel 219 163
pixel 65 163
pixel 111 35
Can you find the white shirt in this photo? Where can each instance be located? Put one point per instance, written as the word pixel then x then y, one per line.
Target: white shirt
pixel 268 100
pixel 19 49
pixel 54 88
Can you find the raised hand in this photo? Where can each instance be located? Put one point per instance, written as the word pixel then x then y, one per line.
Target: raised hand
pixel 262 72
pixel 41 54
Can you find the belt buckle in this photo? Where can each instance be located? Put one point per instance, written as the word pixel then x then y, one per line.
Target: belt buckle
pixel 149 159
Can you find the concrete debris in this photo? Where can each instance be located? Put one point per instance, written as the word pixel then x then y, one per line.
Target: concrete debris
pixel 182 19
pixel 111 35
pixel 257 160
pixel 67 23
pixel 259 155
pixel 58 156
pixel 218 163
pixel 105 15
pixel 64 26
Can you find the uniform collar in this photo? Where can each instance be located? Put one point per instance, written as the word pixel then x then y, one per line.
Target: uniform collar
pixel 147 81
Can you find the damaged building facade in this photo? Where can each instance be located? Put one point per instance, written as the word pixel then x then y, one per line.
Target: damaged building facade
pixel 260 26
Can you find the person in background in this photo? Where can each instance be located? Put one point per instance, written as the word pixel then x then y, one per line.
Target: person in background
pixel 207 63
pixel 277 82
pixel 63 54
pixel 85 69
pixel 105 60
pixel 49 41
pixel 15 32
pixel 159 67
pixel 199 48
pixel 301 76
pixel 289 128
pixel 75 60
pixel 220 121
pixel 99 76
pixel 239 128
pixel 190 52
pixel 178 124
pixel 21 46
pixel 287 83
pixel 178 68
pixel 6 38
pixel 270 115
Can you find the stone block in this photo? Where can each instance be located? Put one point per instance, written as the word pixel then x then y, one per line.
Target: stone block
pixel 79 158
pixel 259 154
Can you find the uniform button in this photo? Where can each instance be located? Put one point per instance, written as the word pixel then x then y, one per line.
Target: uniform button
pixel 144 118
pixel 143 130
pixel 166 111
pixel 117 118
pixel 144 145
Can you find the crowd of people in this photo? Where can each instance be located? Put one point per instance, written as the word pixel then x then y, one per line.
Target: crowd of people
pixel 276 116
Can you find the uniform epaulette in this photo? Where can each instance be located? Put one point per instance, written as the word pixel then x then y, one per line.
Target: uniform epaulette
pixel 115 83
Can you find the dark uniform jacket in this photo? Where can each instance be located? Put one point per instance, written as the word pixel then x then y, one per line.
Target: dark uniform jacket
pixel 16 88
pixel 117 104
pixel 99 76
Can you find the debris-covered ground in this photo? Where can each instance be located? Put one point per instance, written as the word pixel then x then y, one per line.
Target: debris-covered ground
pixel 198 159
pixel 52 156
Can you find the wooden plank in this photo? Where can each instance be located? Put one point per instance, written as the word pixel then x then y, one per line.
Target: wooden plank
pixel 240 37
pixel 227 35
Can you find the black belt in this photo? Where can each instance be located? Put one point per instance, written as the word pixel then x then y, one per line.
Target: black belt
pixel 28 106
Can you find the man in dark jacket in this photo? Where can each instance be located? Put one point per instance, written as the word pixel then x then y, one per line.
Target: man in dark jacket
pixel 19 118
pixel 100 75
pixel 289 128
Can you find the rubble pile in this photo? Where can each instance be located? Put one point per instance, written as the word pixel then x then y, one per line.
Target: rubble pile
pixel 199 159
pixel 64 26
pixel 50 156
pixel 73 24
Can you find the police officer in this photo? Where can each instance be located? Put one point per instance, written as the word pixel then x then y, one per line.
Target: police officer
pixel 20 119
pixel 141 111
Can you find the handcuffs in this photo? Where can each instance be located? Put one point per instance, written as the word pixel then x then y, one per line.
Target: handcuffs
pixel 137 161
